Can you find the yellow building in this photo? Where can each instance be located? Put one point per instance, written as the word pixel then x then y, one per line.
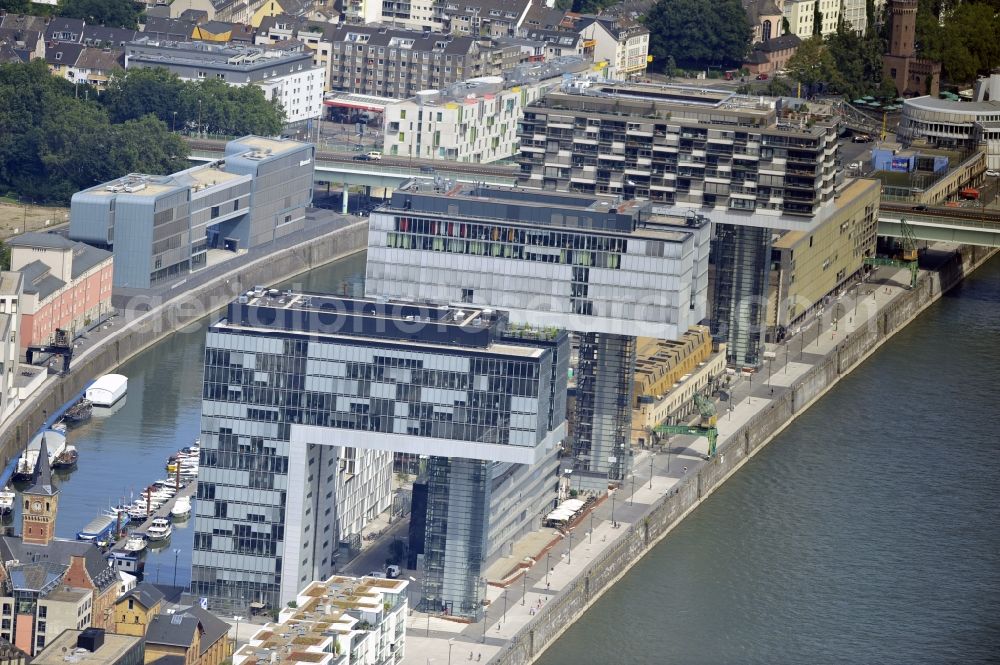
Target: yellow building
pixel 275 7
pixel 136 609
pixel 668 374
pixel 807 266
pixel 661 363
pixel 194 634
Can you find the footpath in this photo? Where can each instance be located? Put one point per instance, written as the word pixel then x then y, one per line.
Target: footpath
pixel 563 574
pixel 143 318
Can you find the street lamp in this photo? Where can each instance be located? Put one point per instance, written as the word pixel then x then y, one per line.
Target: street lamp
pixel 176 554
pixel 569 550
pixel 504 618
pixel 173 124
pixel 651 456
pixel 236 642
pixel 524 587
pixel 451 643
pixel 590 534
pixel 548 567
pixel 631 499
pixel 612 508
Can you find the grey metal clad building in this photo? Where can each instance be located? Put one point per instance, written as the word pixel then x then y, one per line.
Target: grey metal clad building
pixel 302 395
pixel 728 156
pixel 606 269
pixel 161 226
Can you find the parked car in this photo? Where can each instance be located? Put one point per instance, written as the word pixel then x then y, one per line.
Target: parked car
pixel 392 571
pixel 993 174
pixel 855 165
pixel 375 155
pixel 920 208
pixel 761 77
pixel 362 158
pixel 861 138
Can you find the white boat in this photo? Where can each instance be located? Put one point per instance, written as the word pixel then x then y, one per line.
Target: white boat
pixel 135 543
pixel 181 508
pixel 159 529
pixel 7 497
pixel 55 443
pixel 107 390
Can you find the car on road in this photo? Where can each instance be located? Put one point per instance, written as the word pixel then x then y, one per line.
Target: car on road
pixel 919 208
pixel 374 155
pixel 855 165
pixel 862 138
pixel 761 77
pixel 362 158
pixel 392 571
pixel 993 174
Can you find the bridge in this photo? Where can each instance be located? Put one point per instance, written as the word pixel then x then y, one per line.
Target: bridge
pixel 342 169
pixel 967 226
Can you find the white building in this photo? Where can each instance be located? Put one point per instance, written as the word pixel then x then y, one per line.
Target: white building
pixel 286 74
pixel 472 121
pixel 622 44
pixel 342 621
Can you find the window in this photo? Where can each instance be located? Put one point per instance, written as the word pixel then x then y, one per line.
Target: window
pixel 467 295
pixel 43 611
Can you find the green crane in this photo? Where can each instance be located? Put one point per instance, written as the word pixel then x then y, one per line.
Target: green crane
pixel 907 254
pixel 693 430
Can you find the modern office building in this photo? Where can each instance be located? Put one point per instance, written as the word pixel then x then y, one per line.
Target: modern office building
pixel 286 74
pixel 809 266
pixel 607 270
pixel 684 149
pixel 305 399
pixel 162 226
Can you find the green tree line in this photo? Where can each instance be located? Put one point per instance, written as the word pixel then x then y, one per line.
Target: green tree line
pixel 55 140
pixel 110 13
pixel 964 37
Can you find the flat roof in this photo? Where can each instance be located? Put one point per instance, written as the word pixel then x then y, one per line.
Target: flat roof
pixel 63 650
pixel 929 103
pixel 376 321
pixel 276 146
pixel 210 176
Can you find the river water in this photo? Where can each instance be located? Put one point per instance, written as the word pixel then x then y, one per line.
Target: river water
pixel 123 453
pixel 867 532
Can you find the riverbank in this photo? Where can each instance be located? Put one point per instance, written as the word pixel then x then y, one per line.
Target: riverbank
pixel 571 573
pixel 734 451
pixel 144 320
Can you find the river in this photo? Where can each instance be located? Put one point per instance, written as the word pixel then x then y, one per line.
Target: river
pixel 123 453
pixel 867 532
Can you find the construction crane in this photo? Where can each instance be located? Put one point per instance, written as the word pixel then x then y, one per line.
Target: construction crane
pixel 906 256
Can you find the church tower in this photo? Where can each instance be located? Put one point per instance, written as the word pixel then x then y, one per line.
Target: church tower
pixel 41 503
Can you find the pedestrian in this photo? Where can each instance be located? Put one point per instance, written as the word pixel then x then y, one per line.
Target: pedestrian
pixel 772 392
pixel 685 469
pixel 548 586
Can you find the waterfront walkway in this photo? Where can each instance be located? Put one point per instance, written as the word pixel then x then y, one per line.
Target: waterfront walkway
pixel 436 639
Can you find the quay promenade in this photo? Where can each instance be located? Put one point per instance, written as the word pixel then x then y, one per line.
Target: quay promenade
pixel 563 575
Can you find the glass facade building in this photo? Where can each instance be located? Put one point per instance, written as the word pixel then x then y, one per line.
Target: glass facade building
pixel 305 399
pixel 607 269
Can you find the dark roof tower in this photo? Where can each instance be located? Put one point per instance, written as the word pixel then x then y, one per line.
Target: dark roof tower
pixel 41 478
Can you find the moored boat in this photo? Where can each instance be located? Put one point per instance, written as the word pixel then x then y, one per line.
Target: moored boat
pixel 181 508
pixel 135 543
pixel 67 458
pixel 78 413
pixel 159 529
pixel 7 497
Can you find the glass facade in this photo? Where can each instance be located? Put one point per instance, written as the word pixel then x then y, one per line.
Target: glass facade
pixel 742 268
pixel 603 408
pixel 293 426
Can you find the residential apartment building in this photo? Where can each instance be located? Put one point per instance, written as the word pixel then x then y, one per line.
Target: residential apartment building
pixel 473 121
pixel 621 43
pixel 286 74
pixel 803 14
pixel 78 63
pixel 603 269
pixel 692 151
pixel 189 633
pixel 162 226
pixel 808 266
pixel 318 38
pixel 339 621
pixel 481 18
pixel 368 378
pixel 67 285
pixel 388 62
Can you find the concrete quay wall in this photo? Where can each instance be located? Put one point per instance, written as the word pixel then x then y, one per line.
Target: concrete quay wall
pixel 160 318
pixel 562 610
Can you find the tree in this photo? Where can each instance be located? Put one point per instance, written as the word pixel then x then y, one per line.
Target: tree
pixel 698 33
pixel 813 64
pixel 817 19
pixel 670 69
pixel 858 61
pixel 110 13
pixel 137 92
pixel 966 45
pixel 53 144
